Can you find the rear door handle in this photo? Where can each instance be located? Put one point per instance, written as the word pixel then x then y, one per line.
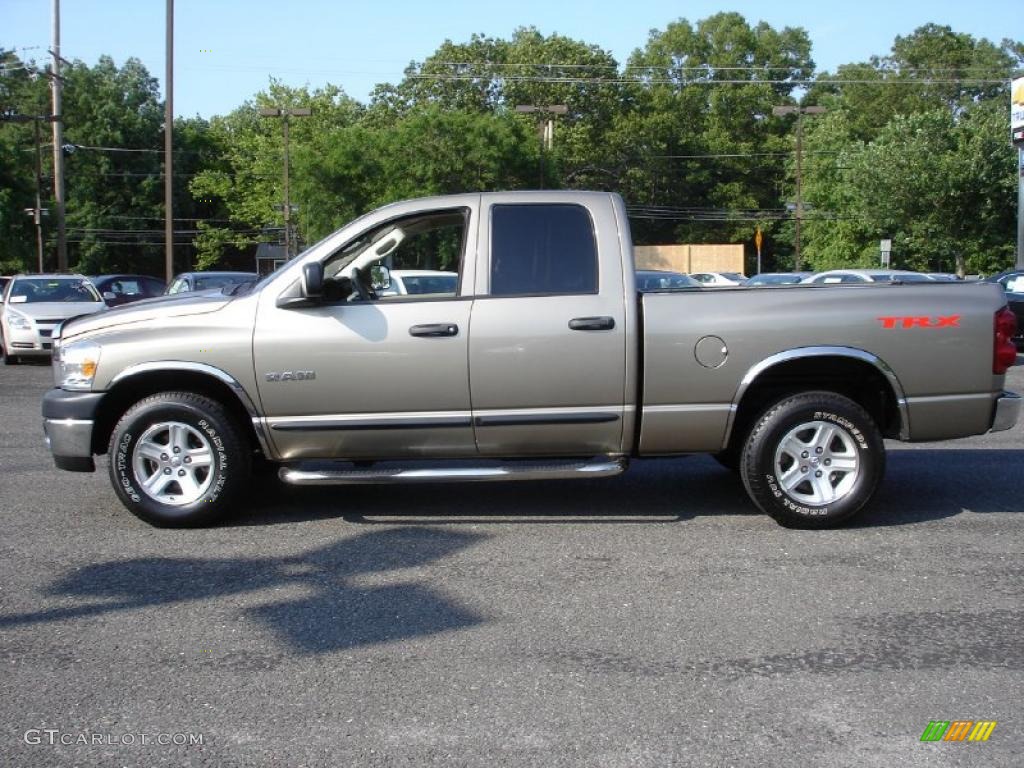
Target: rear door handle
pixel 592 323
pixel 435 329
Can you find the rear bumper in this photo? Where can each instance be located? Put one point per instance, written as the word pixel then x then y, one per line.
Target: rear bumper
pixel 68 419
pixel 1006 411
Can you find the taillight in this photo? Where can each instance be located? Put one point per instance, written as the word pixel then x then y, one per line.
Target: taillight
pixel 1004 353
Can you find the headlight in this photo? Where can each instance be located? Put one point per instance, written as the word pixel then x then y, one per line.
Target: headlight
pixel 75 364
pixel 18 320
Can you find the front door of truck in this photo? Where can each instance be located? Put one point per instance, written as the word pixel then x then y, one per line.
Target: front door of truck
pixel 547 346
pixel 377 369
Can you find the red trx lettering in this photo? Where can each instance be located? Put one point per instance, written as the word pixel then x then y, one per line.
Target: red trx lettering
pixel 949 321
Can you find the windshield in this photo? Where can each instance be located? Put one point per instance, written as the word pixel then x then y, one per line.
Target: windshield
pixel 36 290
pixel 205 283
pixel 774 279
pixel 665 281
pixel 431 284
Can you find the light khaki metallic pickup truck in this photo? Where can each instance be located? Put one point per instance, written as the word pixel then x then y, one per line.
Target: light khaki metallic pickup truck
pixel 543 362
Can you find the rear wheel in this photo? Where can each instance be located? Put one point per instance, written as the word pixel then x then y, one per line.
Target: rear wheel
pixel 177 459
pixel 813 460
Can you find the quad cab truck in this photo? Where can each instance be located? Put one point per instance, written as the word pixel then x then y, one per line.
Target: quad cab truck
pixel 544 362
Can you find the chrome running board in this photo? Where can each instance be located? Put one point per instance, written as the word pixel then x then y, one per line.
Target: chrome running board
pixel 317 474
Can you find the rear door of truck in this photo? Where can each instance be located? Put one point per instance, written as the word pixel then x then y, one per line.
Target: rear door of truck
pixel 548 331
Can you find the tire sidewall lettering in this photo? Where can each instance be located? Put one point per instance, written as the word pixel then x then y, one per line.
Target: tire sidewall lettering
pixel 846 424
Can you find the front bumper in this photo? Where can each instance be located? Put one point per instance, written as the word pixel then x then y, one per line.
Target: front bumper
pixel 68 419
pixel 1006 411
pixel 35 341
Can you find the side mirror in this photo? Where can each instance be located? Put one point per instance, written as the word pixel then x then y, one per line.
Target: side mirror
pixel 109 296
pixel 313 280
pixel 380 276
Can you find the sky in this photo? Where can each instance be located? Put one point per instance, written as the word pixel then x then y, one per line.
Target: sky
pixel 227 50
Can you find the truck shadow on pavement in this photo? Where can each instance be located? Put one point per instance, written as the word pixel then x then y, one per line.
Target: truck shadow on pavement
pixel 337 615
pixel 920 485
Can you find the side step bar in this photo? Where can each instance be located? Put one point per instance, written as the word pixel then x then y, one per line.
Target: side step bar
pixel 601 467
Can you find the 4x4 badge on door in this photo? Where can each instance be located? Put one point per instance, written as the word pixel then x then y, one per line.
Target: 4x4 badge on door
pixel 290 375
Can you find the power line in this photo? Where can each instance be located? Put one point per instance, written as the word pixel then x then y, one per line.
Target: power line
pixel 556 79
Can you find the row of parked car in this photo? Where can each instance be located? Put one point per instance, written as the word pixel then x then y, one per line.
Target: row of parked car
pixel 659 280
pixel 32 306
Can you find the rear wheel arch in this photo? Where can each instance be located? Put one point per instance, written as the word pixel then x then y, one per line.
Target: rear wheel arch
pixel 136 385
pixel 858 375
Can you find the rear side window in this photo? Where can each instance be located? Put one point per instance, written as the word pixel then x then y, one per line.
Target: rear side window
pixel 542 250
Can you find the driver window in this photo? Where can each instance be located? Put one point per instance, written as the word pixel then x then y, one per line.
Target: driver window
pixel 417 257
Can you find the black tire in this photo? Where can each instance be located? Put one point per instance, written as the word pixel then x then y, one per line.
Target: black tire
pixel 11 359
pixel 205 420
pixel 768 457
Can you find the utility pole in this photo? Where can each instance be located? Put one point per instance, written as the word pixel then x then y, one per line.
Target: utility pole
pixel 798 212
pixel 37 212
pixel 169 148
pixel 58 145
pixel 284 114
pixel 546 129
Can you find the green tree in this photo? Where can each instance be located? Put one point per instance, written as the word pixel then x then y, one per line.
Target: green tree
pixel 20 94
pixel 697 134
pixel 243 183
pixel 937 183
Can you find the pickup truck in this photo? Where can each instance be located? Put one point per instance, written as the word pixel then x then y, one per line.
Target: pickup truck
pixel 544 361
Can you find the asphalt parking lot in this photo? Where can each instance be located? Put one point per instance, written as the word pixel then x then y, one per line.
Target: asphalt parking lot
pixel 648 620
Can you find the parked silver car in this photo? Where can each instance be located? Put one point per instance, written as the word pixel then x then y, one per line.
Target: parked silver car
pixel 34 305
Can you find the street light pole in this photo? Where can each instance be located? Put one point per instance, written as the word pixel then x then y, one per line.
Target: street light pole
pixel 799 210
pixel 546 128
pixel 284 114
pixel 37 214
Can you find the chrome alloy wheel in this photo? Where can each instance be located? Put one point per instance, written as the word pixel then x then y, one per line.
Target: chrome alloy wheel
pixel 816 463
pixel 173 463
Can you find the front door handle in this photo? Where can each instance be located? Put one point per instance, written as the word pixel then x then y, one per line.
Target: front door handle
pixel 435 329
pixel 592 323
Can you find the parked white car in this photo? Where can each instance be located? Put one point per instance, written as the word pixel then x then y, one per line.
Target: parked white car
pixel 33 305
pixel 833 276
pixel 718 279
pixel 416 282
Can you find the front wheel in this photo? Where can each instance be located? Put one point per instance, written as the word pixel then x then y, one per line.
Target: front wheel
pixel 177 459
pixel 813 460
